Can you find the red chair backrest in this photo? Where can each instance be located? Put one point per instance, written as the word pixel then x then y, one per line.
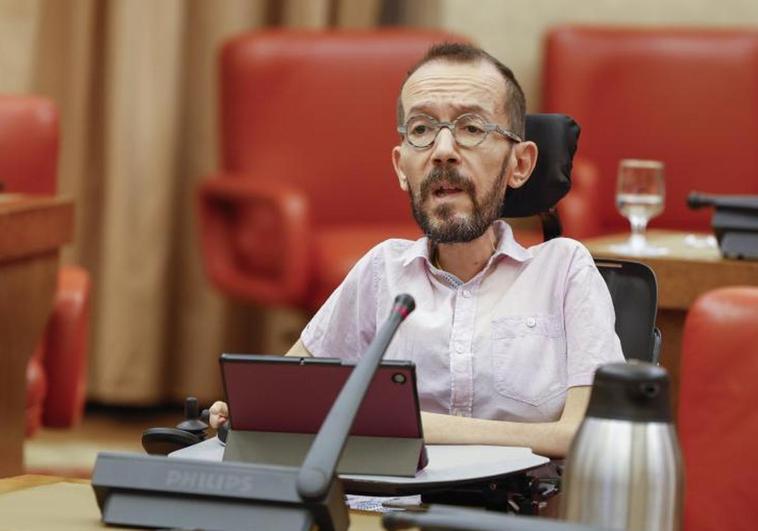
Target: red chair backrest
pixel 687 97
pixel 718 423
pixel 318 110
pixel 28 145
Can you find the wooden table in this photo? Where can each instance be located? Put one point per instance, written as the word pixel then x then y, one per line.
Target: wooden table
pixel 46 503
pixel 31 231
pixel 683 274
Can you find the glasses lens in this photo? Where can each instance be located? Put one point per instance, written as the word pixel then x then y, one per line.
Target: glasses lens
pixel 421 131
pixel 470 130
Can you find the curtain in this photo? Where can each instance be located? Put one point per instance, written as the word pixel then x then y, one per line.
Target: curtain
pixel 135 82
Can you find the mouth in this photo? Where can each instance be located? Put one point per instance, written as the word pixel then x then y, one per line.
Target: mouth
pixel 446 190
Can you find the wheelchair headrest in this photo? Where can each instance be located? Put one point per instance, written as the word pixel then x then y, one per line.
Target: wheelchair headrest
pixel 556 136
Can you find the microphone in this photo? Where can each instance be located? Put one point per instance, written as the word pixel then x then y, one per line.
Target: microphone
pixel 697 200
pixel 320 463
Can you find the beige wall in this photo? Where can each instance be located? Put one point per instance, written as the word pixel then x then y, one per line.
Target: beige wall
pixel 18 33
pixel 512 30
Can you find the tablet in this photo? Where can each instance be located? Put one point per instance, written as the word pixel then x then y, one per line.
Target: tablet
pixel 293 395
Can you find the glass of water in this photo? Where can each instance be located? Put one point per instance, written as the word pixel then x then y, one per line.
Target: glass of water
pixel 640 194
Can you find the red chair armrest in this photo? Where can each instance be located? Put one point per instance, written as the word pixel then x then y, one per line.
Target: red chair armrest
pixel 255 237
pixel 65 349
pixel 36 389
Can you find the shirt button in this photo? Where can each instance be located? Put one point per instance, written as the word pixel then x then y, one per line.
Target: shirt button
pixel 466 293
pixel 531 322
pixel 459 349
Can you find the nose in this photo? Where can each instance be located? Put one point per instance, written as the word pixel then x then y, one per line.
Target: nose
pixel 445 148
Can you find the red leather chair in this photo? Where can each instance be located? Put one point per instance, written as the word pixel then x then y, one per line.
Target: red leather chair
pixel 718 424
pixel 687 97
pixel 56 370
pixel 306 184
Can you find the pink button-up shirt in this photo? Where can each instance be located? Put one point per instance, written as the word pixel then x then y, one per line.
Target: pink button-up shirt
pixel 505 345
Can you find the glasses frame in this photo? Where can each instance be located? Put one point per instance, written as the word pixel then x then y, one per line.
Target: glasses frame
pixel 487 126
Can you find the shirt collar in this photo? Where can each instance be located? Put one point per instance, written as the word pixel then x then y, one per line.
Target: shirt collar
pixel 507 246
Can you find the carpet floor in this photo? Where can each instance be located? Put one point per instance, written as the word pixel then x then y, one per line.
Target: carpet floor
pixel 72 452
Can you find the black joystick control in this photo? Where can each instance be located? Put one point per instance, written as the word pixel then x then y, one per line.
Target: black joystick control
pixel 192 430
pixel 193 422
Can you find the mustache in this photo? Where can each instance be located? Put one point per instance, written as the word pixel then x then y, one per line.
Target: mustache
pixel 445 174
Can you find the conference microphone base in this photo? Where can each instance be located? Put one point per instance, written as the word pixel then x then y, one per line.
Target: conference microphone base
pixel 162 492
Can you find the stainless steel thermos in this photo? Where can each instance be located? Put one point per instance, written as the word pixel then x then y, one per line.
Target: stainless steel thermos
pixel 624 468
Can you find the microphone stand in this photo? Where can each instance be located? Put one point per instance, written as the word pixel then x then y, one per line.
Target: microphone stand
pixel 320 463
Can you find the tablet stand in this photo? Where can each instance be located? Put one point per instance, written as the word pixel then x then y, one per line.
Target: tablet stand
pixel 386 456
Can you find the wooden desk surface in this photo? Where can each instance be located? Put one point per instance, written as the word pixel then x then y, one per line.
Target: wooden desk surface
pixel 47 503
pixel 686 271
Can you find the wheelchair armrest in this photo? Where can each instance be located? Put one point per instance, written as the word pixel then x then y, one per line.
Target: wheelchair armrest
pixel 657 341
pixel 255 237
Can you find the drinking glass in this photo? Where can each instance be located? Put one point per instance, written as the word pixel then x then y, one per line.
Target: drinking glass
pixel 640 194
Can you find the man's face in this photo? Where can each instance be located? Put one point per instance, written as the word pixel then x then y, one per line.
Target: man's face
pixel 456 192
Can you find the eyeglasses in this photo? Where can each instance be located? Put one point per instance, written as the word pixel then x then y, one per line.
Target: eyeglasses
pixel 469 130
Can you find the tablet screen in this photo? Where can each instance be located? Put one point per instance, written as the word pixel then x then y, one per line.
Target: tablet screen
pixel 294 395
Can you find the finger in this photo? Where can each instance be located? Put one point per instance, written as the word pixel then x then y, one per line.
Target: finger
pixel 217 419
pixel 219 408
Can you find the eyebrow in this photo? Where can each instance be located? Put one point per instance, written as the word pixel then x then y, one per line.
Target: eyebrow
pixel 461 108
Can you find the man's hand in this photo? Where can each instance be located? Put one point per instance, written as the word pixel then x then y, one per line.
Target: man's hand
pixel 219 413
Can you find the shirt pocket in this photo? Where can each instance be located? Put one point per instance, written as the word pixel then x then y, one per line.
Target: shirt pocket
pixel 529 358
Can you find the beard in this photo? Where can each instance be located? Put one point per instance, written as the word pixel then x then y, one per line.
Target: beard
pixel 443 224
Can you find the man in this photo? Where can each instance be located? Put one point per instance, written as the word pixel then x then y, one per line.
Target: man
pixel 505 339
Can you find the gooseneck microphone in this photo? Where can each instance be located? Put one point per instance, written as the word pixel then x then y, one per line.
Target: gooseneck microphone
pixel 697 200
pixel 320 463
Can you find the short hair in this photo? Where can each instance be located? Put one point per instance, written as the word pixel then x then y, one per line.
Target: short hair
pixel 456 52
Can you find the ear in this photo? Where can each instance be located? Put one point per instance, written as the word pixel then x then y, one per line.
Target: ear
pixel 402 179
pixel 525 155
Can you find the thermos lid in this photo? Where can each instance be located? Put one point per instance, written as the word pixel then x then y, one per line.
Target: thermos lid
pixel 635 391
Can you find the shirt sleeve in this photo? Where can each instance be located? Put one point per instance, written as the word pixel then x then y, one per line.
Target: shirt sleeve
pixel 591 338
pixel 346 323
